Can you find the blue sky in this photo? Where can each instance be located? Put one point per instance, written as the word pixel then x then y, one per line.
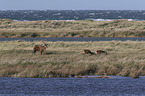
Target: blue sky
pixel 72 4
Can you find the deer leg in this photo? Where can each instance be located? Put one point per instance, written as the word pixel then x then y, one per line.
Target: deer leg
pixel 34 51
pixel 41 52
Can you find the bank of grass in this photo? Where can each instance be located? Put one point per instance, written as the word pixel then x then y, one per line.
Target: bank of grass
pixel 78 28
pixel 64 59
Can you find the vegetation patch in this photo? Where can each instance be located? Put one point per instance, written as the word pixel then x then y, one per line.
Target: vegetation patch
pixel 64 59
pixel 78 28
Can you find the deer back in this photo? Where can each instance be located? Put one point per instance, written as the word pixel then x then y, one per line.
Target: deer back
pixel 86 51
pixel 101 52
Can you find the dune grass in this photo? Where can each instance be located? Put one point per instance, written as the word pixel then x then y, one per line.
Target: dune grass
pixel 84 28
pixel 64 59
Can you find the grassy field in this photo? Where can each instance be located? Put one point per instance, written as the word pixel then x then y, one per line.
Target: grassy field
pixel 84 28
pixel 64 59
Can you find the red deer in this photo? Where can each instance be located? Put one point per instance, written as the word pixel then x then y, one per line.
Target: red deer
pixel 40 48
pixel 101 52
pixel 87 51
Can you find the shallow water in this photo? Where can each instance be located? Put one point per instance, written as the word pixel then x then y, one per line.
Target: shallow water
pixel 78 39
pixel 115 86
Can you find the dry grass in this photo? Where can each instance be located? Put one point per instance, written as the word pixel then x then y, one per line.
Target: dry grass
pixel 63 59
pixel 86 28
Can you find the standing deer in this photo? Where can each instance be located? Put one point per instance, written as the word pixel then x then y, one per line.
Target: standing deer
pixel 40 48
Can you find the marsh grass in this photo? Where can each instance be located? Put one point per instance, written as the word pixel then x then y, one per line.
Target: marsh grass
pixel 64 59
pixel 78 28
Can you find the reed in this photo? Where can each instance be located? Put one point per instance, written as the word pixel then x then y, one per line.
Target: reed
pixel 64 59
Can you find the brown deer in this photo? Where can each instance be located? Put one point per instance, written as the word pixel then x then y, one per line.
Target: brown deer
pixel 40 48
pixel 101 52
pixel 87 51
